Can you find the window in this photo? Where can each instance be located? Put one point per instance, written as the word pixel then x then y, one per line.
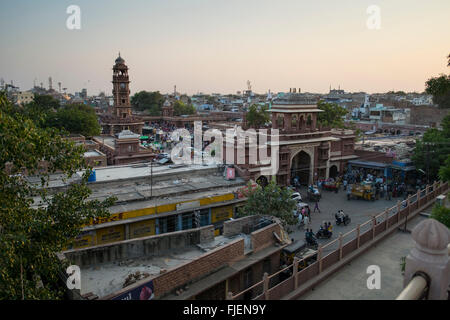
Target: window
pixel 168 224
pixel 187 220
pixel 204 217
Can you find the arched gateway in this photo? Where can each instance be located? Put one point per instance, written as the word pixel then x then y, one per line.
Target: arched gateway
pixel 301 167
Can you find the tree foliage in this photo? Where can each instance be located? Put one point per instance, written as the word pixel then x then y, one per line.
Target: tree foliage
pixel 31 233
pixel 332 117
pixel 150 102
pixel 433 150
pixel 75 118
pixel 180 108
pixel 444 171
pixel 46 102
pixel 46 112
pixel 441 214
pixel 270 201
pixel 439 87
pixel 257 116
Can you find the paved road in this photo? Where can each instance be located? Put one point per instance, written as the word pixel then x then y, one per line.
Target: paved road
pixel 350 282
pixel 359 211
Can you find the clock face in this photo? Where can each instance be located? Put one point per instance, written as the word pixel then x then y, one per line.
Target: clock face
pixel 122 85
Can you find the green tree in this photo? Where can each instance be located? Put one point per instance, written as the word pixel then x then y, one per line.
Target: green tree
pixel 257 116
pixel 150 102
pixel 432 151
pixel 332 117
pixel 444 171
pixel 179 108
pixel 439 87
pixel 39 109
pixel 441 214
pixel 270 201
pixel 46 102
pixel 31 233
pixel 75 118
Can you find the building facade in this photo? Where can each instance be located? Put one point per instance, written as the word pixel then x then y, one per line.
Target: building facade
pixel 306 151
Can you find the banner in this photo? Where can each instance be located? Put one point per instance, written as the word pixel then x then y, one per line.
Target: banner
pixel 143 292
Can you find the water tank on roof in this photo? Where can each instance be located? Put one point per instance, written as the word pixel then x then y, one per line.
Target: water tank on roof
pixel 93 176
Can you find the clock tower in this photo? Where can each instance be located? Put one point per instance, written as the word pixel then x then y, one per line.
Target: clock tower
pixel 120 117
pixel 121 90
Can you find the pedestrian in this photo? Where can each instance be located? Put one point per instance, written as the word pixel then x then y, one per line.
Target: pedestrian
pixel 389 192
pixel 316 207
pixel 300 219
pixel 308 212
pixel 306 221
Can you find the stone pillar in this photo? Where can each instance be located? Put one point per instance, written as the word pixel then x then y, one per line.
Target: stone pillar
pixel 266 285
pixel 287 121
pixel 430 256
pixel 274 120
pixel 358 233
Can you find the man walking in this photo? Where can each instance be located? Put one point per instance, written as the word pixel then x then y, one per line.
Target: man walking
pixel 316 207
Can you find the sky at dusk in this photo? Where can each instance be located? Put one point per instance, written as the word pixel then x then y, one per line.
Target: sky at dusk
pixel 216 46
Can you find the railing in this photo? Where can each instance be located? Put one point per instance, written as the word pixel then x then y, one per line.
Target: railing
pixel 342 248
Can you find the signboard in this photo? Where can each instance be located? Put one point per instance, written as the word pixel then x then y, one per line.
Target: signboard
pixel 188 205
pixel 221 213
pixel 143 292
pixel 85 239
pixel 230 173
pixel 142 229
pixel 111 234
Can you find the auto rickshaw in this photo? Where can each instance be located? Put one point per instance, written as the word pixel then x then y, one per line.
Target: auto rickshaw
pixel 298 249
pixel 364 191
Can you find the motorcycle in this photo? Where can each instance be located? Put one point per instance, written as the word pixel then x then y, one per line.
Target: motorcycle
pixel 312 242
pixel 323 234
pixel 343 219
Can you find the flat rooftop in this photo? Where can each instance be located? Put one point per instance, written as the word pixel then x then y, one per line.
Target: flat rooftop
pixel 105 279
pixel 92 153
pixel 136 189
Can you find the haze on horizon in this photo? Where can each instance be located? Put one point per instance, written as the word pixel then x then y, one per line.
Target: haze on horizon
pixel 216 46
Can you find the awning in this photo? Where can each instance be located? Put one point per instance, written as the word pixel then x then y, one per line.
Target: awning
pixel 368 164
pixel 410 168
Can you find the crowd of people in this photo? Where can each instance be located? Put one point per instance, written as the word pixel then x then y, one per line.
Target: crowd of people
pixel 383 188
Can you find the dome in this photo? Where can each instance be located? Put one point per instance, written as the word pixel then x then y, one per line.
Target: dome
pixel 120 59
pixel 431 234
